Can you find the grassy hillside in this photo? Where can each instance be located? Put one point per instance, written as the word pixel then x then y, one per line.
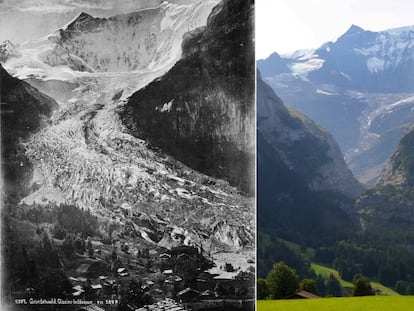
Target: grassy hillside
pixel 325 272
pixel 384 290
pixel 372 303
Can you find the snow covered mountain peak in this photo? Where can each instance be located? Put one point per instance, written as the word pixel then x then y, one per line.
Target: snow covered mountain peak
pixel 148 39
pixel 354 29
pixel 7 49
pixel 359 59
pixel 135 41
pixel 400 30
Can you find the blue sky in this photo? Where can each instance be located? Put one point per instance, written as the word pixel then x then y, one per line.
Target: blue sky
pixel 287 25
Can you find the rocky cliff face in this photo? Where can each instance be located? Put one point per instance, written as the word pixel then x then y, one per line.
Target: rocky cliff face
pixel 392 199
pixel 86 155
pixel 24 111
pixel 401 168
pixel 7 50
pixel 369 61
pixel 307 149
pixel 359 87
pixel 202 110
pixel 134 41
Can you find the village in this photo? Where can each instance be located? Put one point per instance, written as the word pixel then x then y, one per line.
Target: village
pixel 124 276
pixel 129 272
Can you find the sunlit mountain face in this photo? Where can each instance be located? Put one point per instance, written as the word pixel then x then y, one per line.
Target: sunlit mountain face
pixel 359 87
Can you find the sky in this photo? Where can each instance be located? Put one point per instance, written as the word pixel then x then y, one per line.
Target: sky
pixel 284 26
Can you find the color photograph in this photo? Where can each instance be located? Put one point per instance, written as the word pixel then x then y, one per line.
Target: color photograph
pixel 335 155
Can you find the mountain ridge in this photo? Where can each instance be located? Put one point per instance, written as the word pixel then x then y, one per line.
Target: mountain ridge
pixel 200 95
pixel 358 87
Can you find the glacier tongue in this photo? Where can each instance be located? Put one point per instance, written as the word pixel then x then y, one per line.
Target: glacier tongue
pixel 86 156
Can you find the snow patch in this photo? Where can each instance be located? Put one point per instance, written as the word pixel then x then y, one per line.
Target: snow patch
pixel 325 93
pixel 345 76
pixel 375 64
pixel 303 68
pixel 166 107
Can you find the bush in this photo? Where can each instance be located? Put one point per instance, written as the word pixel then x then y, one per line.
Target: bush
pixel 282 281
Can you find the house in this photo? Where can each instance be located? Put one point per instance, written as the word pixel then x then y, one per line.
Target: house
pixel 188 295
pixel 183 249
pixel 96 286
pixel 303 295
pixel 165 256
pixel 78 290
pixel 94 268
pixel 121 270
pixel 83 268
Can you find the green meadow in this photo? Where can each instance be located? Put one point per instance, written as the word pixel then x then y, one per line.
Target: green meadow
pixel 325 272
pixel 371 303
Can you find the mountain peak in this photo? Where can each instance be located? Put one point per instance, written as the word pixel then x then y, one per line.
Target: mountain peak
pixel 7 49
pixel 82 16
pixel 354 29
pixel 79 19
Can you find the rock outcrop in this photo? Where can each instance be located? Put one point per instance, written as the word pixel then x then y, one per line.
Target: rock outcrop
pixel 202 110
pixel 24 111
pixel 134 41
pixel 306 148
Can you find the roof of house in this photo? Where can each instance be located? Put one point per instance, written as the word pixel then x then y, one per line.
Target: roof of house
pixel 83 268
pixel 305 294
pixel 187 291
pixel 96 286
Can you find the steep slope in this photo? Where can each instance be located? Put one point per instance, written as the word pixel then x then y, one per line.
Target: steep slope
pixel 24 111
pixel 303 146
pixel 358 87
pixel 133 41
pixel 87 157
pixel 387 215
pixel 369 61
pixel 132 200
pixel 202 110
pixel 147 39
pixel 7 50
pixel 401 171
pixel 301 181
pixel 392 200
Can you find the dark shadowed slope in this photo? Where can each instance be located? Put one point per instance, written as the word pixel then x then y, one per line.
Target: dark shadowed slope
pixel 202 110
pixel 23 111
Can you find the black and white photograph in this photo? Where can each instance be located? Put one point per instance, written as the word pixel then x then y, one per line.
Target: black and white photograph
pixel 127 155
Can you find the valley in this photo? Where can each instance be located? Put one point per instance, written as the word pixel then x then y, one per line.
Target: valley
pixel 95 194
pixel 357 87
pixel 349 235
